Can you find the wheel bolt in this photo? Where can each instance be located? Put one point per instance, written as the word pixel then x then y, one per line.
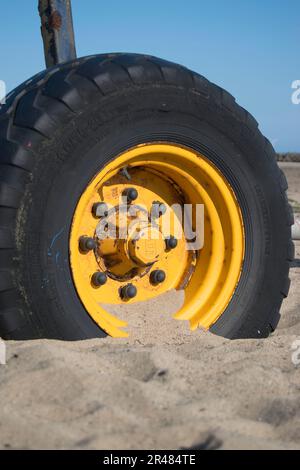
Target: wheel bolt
pixel 87 244
pixel 131 194
pixel 157 277
pixel 158 209
pixel 128 292
pixel 171 243
pixel 100 209
pixel 99 279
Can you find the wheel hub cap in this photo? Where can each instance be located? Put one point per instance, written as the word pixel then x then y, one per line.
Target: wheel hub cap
pixel 146 247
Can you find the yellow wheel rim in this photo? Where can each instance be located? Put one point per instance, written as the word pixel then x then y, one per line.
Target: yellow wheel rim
pixel 207 270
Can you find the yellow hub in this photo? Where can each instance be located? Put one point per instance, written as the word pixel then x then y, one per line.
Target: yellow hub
pixel 130 244
pixel 147 247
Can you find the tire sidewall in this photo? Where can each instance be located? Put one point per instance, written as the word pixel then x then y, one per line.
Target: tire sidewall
pixel 72 157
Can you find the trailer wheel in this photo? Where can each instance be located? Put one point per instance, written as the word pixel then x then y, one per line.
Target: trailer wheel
pixel 76 140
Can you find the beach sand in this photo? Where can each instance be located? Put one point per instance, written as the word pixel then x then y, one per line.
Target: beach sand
pixel 163 388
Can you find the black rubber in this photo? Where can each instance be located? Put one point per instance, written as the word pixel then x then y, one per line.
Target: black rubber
pixel 59 128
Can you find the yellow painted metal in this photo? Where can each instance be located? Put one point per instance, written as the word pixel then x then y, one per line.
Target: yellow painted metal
pixel 148 246
pixel 173 175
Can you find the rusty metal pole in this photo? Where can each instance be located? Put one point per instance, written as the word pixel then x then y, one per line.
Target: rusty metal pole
pixel 57 31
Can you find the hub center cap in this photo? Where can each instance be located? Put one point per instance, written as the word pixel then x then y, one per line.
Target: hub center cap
pixel 147 246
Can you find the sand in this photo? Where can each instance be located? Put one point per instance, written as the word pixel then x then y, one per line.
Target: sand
pixel 164 388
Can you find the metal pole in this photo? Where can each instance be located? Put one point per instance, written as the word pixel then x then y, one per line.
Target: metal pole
pixel 57 31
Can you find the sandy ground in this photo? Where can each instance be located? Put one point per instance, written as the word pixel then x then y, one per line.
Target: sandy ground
pixel 164 388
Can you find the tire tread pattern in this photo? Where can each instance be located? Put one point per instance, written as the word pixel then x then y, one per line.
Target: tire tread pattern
pixel 34 110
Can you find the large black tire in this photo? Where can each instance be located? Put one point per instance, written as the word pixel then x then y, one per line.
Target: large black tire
pixel 59 128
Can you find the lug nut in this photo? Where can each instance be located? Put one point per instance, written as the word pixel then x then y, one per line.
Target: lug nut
pixel 157 277
pixel 100 209
pixel 171 243
pixel 131 194
pixel 128 292
pixel 99 279
pixel 158 209
pixel 87 244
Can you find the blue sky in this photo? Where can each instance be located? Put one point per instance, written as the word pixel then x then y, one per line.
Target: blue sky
pixel 249 47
